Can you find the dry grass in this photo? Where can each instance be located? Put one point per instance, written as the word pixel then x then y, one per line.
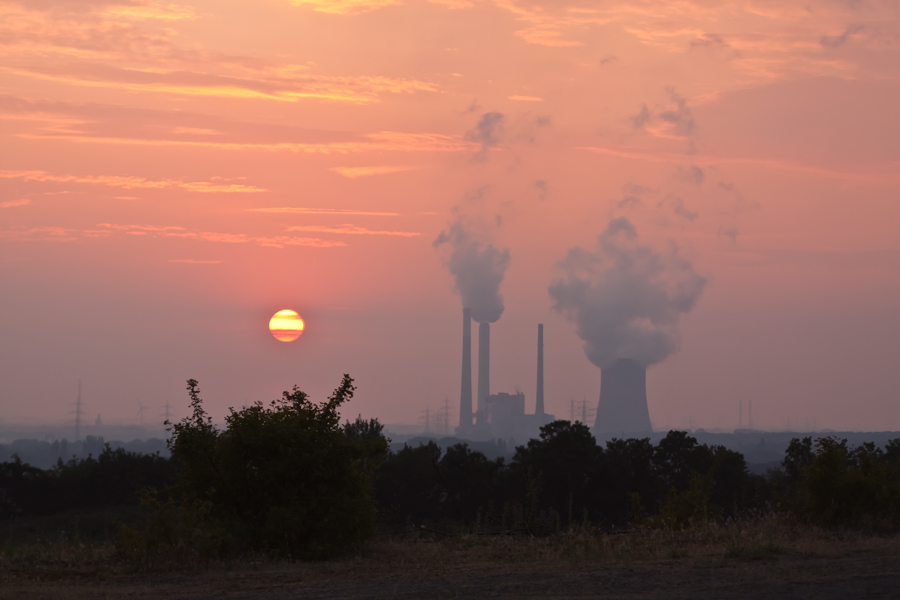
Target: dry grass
pixel 701 561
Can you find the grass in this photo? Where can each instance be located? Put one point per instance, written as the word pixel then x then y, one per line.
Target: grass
pixel 767 548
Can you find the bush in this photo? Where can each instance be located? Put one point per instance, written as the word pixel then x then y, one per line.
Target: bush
pixel 839 485
pixel 284 478
pixel 179 535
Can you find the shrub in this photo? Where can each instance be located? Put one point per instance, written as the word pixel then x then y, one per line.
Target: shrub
pixel 284 478
pixel 839 485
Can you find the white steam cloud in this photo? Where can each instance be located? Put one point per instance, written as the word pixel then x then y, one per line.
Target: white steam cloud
pixel 478 269
pixel 626 299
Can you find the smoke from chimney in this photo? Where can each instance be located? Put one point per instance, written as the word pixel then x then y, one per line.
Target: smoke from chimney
pixel 478 270
pixel 624 298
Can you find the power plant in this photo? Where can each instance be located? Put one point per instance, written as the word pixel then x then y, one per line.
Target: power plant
pixel 623 399
pixel 484 370
pixel 622 408
pixel 501 415
pixel 465 394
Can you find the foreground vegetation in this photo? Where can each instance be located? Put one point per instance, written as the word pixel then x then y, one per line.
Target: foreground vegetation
pixel 286 480
pixel 751 557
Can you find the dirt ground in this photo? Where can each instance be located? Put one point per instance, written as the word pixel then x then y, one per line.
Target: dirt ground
pixel 648 565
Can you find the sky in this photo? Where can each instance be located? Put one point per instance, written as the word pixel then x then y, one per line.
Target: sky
pixel 174 173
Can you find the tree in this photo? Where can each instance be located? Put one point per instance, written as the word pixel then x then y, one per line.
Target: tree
pixel 567 458
pixel 469 479
pixel 628 470
pixel 408 485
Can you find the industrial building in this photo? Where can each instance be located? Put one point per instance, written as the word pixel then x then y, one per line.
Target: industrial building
pixel 502 415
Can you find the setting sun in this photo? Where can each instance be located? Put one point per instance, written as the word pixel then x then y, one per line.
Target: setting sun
pixel 286 325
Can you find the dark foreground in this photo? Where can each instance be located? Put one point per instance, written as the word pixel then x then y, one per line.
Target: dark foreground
pixel 762 559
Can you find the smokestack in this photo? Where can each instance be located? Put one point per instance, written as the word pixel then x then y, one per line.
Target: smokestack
pixel 465 392
pixel 484 369
pixel 539 396
pixel 623 399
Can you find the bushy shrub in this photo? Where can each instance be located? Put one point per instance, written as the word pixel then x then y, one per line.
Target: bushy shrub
pixel 284 478
pixel 173 535
pixel 840 485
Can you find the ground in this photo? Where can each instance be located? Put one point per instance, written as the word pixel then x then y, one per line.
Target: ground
pixel 763 559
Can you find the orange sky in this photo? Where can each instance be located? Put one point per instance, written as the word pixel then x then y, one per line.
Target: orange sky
pixel 171 174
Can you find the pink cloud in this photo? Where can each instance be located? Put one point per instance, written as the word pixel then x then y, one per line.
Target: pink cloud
pixel 128 182
pixel 351 230
pixel 12 203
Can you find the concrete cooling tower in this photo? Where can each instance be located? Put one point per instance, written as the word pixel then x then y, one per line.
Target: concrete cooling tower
pixel 623 399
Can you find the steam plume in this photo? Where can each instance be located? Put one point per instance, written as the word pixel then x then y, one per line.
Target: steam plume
pixel 625 298
pixel 479 269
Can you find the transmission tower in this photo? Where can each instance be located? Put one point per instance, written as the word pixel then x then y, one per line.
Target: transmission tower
pixel 427 420
pixel 586 411
pixel 446 416
pixel 78 413
pixel 166 412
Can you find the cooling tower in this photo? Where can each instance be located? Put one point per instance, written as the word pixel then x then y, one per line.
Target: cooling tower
pixel 484 370
pixel 539 395
pixel 623 399
pixel 465 392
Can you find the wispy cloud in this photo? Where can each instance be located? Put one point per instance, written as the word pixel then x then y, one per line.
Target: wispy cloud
pixel 12 203
pixel 526 98
pixel 321 211
pixel 149 10
pixel 44 234
pixel 105 230
pixel 342 7
pixel 351 230
pixel 385 141
pixel 354 172
pixel 192 261
pixel 279 241
pixel 115 45
pixel 195 83
pixel 114 124
pixel 547 24
pixel 888 175
pixel 128 182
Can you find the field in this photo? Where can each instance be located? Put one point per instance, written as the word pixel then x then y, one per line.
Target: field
pixel 756 558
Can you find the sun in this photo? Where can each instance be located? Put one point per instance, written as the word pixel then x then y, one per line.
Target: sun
pixel 286 325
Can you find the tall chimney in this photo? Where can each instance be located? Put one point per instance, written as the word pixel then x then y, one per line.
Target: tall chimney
pixel 484 370
pixel 465 392
pixel 623 399
pixel 539 396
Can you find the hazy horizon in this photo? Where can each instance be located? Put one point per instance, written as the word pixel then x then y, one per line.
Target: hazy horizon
pixel 711 187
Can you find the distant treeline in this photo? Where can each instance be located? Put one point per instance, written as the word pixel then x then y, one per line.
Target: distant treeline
pixel 114 478
pixel 46 454
pixel 288 478
pixel 559 480
pixel 565 478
